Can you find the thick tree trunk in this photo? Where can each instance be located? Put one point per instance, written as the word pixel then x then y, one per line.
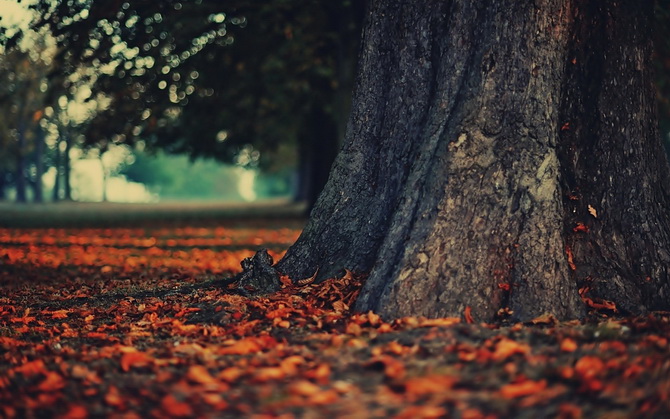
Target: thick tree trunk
pixel 480 137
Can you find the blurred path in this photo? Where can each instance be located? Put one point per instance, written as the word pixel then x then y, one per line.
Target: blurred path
pixel 101 214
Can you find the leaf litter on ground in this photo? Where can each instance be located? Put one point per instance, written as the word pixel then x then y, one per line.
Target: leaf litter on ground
pixel 134 323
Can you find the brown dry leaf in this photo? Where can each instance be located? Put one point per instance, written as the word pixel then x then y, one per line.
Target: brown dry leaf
pixel 546 318
pixel 593 211
pixel 340 306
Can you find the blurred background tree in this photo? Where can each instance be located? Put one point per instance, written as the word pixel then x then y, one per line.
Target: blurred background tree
pixel 263 85
pixel 258 84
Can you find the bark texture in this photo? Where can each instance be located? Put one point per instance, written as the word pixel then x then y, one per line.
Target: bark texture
pixel 473 127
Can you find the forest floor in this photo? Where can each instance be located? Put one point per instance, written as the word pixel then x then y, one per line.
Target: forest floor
pixel 136 322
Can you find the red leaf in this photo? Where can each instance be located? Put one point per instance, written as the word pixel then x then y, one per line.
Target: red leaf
pixel 175 408
pixel 52 382
pixel 468 316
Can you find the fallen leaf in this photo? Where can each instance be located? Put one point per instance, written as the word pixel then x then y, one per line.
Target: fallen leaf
pixel 52 382
pixel 505 348
pixel 430 384
pixel 568 345
pixel 589 367
pixel 135 359
pixel 468 315
pixel 199 374
pixel 523 388
pixel 176 408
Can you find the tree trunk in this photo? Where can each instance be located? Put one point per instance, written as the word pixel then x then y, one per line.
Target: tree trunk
pixel 59 172
pixel 317 148
pixel 480 137
pixel 67 169
pixel 20 183
pixel 38 195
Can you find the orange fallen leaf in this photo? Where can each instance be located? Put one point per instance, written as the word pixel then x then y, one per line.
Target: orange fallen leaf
pixel 52 382
pixel 199 374
pixel 508 347
pixel 321 374
pixel 523 388
pixel 241 347
pixel 76 411
pixel 430 384
pixel 571 262
pixel 589 366
pixel 303 388
pixel 445 321
pixel 325 397
pixel 175 408
pixel 266 374
pixel 546 318
pixel 114 398
pixel 568 345
pixel 424 412
pixel 393 369
pixel 231 374
pixel 31 368
pixel 467 313
pixel 580 228
pixel 135 359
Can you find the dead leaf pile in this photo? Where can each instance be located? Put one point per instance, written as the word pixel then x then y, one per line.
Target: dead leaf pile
pixel 130 323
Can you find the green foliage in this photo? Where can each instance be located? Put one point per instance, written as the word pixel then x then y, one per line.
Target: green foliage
pixel 206 77
pixel 177 177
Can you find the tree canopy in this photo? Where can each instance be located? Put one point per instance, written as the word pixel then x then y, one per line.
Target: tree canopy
pixel 252 70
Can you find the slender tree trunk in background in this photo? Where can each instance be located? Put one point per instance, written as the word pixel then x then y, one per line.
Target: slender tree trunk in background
pixel 3 185
pixel 317 149
pixel 59 171
pixel 104 178
pixel 67 168
pixel 38 195
pixel 499 156
pixel 20 183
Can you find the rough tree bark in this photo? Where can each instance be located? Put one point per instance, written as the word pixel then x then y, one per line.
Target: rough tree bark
pixel 499 155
